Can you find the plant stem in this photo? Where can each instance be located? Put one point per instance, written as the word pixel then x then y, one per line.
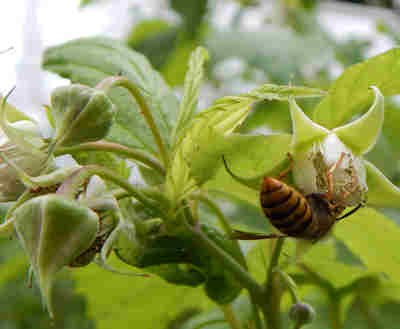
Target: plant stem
pixel 223 222
pixel 119 149
pixel 272 293
pixel 226 260
pixel 332 293
pixel 111 82
pixel 230 316
pixel 120 181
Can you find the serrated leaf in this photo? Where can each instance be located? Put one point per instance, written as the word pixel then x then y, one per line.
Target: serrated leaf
pixel 361 135
pixel 349 94
pixel 191 90
pixel 90 60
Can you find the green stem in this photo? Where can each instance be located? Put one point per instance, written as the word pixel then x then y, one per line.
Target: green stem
pixel 332 293
pixel 119 149
pixel 227 261
pixel 272 293
pixel 230 316
pixel 223 222
pixel 111 82
pixel 290 285
pixel 120 181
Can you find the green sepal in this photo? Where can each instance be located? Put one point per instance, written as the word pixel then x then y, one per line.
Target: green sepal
pixel 81 114
pixel 305 131
pixel 53 232
pixel 381 192
pixel 361 135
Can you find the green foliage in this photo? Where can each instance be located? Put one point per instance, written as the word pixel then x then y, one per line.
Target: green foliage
pixel 349 94
pixel 18 299
pixel 170 224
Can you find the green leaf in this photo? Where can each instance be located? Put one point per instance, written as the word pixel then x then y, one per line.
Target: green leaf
pixel 192 14
pixel 374 239
pixel 154 38
pixel 242 214
pixel 263 50
pixel 191 90
pixel 381 192
pixel 251 156
pixel 349 94
pixel 90 60
pixel 214 319
pixel 114 301
pixel 281 92
pixel 363 315
pixel 361 135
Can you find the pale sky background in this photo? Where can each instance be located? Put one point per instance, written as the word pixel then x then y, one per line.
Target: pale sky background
pixel 29 26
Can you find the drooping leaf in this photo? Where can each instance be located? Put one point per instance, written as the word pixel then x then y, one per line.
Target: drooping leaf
pixel 349 94
pixel 90 60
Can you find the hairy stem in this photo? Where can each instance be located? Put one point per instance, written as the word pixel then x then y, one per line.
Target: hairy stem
pixel 118 149
pixel 111 82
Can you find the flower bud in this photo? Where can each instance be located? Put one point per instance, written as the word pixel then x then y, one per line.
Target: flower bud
pixel 54 231
pixel 81 114
pixel 301 314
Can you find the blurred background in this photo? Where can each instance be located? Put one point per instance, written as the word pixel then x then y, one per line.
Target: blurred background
pixel 303 42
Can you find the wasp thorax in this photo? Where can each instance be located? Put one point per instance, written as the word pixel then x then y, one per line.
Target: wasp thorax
pixel 330 166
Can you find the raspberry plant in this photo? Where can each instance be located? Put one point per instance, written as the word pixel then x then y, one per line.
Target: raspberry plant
pixel 177 223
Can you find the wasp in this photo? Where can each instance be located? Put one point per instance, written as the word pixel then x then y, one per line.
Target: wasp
pixel 294 214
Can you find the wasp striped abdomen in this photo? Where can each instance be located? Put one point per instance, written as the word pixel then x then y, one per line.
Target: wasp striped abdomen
pixel 287 209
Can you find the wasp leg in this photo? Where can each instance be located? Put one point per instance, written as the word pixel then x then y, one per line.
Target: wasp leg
pixel 286 171
pixel 241 235
pixel 329 176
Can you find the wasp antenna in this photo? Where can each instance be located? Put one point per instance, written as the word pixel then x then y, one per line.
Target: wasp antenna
pixel 351 212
